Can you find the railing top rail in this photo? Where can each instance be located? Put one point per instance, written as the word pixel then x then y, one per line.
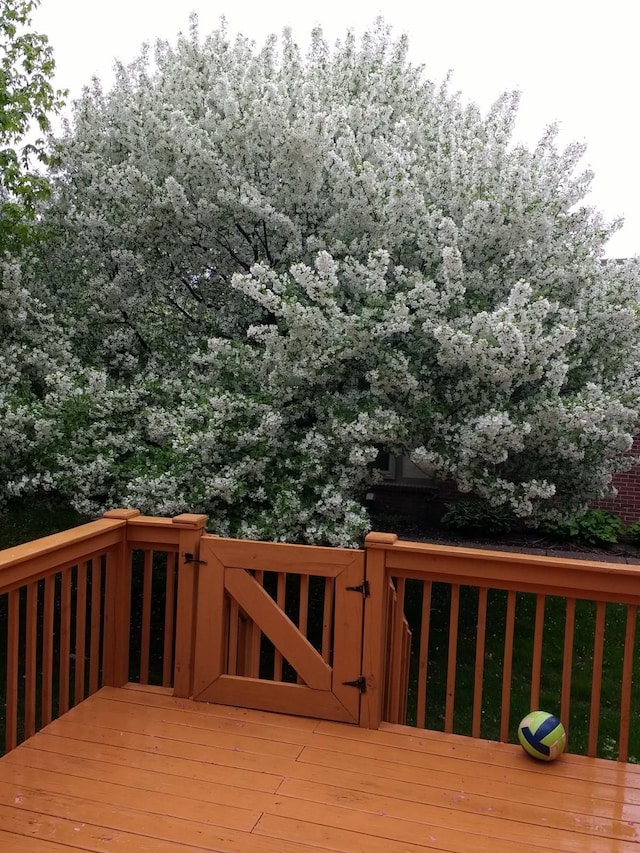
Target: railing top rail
pixel 57 543
pixel 391 541
pixel 33 560
pixel 509 570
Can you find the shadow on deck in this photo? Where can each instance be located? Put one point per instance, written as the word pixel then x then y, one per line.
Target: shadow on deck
pixel 136 769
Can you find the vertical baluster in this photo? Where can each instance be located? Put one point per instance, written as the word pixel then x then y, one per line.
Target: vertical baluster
pixel 47 649
pixel 452 657
pixel 396 685
pixel 627 677
pixel 481 633
pixel 390 623
pixel 30 661
pixel 169 621
pixel 406 667
pixel 253 641
pixel 596 678
pixel 280 601
pixel 327 617
pixel 423 658
pixel 94 648
pixel 13 642
pixel 567 663
pixel 145 640
pixel 65 642
pixel 232 647
pixel 536 666
pixel 109 581
pixel 507 665
pixel 303 610
pixel 81 632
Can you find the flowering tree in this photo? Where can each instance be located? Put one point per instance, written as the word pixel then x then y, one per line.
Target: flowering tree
pixel 267 266
pixel 26 98
pixel 30 340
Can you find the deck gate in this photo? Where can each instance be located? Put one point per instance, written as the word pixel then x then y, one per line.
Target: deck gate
pixel 280 627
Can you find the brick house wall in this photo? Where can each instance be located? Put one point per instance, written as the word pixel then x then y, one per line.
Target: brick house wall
pixel 626 504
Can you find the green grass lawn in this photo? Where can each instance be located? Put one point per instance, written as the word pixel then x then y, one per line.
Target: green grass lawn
pixel 553 654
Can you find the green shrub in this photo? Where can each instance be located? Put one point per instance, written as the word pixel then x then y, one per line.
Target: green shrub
pixel 478 516
pixel 594 527
pixel 633 531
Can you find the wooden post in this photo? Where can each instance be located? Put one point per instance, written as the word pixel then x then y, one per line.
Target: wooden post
pixel 117 608
pixel 375 628
pixel 191 528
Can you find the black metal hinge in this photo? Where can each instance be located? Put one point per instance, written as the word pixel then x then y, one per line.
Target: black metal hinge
pixel 189 558
pixel 362 587
pixel 360 683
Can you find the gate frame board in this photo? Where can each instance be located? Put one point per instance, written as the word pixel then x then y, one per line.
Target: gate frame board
pixel 224 570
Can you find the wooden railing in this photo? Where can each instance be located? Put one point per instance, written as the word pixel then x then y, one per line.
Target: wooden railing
pixel 154 599
pixel 455 639
pixel 94 606
pixel 497 634
pixel 53 624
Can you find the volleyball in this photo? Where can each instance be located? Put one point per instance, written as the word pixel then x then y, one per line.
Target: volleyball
pixel 542 735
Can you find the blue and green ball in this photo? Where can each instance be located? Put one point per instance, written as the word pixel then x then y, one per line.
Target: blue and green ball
pixel 542 735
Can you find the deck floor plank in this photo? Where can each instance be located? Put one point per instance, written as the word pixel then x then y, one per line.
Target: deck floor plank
pixel 453 773
pixel 466 791
pixel 136 769
pixel 113 714
pixel 21 844
pixel 160 732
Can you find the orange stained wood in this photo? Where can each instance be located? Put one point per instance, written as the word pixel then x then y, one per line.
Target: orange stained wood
pixel 231 594
pixel 423 653
pixel 452 656
pixel 397 689
pixel 94 644
pixel 137 769
pixel 13 629
pixel 627 676
pixel 145 633
pixel 32 560
pixel 65 642
pixel 536 669
pixel 169 617
pixel 481 631
pixel 47 651
pixel 30 661
pixel 468 569
pixel 80 633
pixel 508 665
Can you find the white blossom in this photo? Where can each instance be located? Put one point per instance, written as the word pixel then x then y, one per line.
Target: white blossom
pixel 261 268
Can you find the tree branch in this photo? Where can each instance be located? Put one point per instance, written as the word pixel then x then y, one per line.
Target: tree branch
pixel 247 237
pixel 265 242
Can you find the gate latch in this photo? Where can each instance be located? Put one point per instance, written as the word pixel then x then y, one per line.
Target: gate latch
pixel 189 558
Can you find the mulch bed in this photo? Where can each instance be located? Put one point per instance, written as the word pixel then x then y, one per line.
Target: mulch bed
pixel 522 542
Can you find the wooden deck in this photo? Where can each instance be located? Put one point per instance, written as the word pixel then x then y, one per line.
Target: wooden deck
pixel 135 769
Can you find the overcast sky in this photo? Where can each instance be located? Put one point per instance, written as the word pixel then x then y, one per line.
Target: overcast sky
pixel 576 63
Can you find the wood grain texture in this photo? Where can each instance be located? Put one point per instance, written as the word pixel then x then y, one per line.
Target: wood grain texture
pixel 277 626
pixel 136 768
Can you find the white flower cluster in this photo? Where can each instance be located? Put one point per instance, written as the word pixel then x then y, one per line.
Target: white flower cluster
pixel 261 268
